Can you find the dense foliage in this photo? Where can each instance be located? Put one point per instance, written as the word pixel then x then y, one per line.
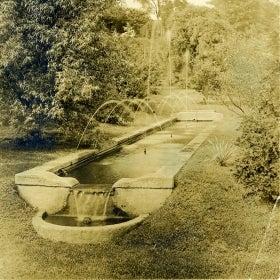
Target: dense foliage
pixel 26 80
pixel 201 33
pixel 60 60
pixel 258 165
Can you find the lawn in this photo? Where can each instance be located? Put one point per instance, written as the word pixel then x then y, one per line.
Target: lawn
pixel 208 228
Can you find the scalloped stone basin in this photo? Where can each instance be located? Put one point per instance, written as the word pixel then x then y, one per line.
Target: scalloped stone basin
pixel 96 232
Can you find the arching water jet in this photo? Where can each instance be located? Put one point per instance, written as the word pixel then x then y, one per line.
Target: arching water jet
pixel 125 103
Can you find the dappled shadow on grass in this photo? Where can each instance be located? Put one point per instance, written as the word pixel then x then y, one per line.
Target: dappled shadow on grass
pixel 28 144
pixel 18 144
pixel 35 140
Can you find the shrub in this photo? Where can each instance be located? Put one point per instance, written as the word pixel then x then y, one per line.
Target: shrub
pixel 46 78
pixel 259 162
pixel 223 151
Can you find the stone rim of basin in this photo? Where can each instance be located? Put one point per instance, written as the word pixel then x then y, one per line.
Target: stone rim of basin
pixel 83 235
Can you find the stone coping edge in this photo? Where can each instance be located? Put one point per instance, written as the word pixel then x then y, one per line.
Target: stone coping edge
pixel 79 235
pixel 132 137
pixel 52 172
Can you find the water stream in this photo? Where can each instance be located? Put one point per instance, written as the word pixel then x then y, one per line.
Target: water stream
pixel 89 207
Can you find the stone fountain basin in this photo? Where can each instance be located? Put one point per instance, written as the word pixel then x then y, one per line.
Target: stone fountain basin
pixel 83 235
pixel 44 189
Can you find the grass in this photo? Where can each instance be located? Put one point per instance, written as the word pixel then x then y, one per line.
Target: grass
pixel 208 228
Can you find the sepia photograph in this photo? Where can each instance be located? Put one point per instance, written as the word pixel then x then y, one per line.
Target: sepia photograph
pixel 139 139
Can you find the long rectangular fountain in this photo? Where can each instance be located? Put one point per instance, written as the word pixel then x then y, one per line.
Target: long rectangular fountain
pixel 134 177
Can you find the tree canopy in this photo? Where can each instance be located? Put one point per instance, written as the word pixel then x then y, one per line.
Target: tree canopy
pixel 61 59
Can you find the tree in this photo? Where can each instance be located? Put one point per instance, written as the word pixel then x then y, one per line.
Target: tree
pixel 163 9
pixel 25 78
pixel 152 6
pixel 60 63
pixel 247 74
pixel 120 19
pixel 201 33
pixel 249 15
